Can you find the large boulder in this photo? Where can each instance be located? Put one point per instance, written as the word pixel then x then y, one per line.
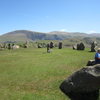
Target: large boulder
pixel 84 84
pixel 80 46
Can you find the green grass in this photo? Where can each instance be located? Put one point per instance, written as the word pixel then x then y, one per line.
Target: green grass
pixel 33 74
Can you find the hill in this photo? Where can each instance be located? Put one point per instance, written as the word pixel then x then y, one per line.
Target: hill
pixel 23 35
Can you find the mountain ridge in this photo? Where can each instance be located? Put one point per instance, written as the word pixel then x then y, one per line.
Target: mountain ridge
pixel 23 35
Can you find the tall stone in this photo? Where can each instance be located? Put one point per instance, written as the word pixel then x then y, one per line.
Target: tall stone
pixel 60 45
pixel 93 46
pixel 51 45
pixel 48 48
pixel 82 47
pixel 9 46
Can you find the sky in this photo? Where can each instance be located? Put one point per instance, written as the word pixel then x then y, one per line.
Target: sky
pixel 50 15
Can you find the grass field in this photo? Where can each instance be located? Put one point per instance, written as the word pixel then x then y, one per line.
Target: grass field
pixel 33 74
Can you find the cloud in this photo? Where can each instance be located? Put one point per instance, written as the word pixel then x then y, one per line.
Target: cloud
pixel 92 31
pixel 63 30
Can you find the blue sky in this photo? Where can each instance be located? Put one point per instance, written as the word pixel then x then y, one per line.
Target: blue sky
pixel 50 15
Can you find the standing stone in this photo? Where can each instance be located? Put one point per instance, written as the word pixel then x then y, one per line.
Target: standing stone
pixel 83 84
pixel 39 46
pixel 4 45
pixel 26 44
pixel 80 46
pixel 93 46
pixel 9 46
pixel 51 45
pixel 48 48
pixel 74 47
pixel 1 45
pixel 15 46
pixel 60 45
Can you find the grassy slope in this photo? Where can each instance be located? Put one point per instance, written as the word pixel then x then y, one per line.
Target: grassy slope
pixel 13 37
pixel 33 74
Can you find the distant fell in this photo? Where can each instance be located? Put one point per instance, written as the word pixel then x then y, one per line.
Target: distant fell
pixel 23 35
